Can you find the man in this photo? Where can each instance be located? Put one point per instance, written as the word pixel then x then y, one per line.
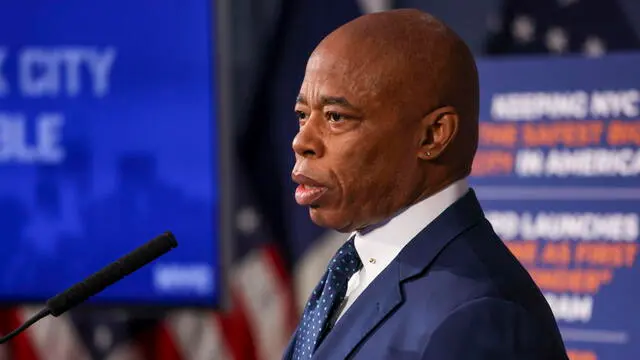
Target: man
pixel 388 114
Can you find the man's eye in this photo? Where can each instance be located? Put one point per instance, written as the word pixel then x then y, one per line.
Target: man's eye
pixel 334 116
pixel 301 115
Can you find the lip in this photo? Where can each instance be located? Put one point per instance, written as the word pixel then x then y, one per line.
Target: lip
pixel 305 180
pixel 309 191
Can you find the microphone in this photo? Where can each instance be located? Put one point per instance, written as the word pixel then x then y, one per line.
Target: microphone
pixel 100 280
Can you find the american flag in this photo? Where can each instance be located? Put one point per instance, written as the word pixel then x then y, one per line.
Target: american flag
pixel 278 254
pixel 589 27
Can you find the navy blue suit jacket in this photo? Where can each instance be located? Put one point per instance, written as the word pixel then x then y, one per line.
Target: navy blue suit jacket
pixel 455 292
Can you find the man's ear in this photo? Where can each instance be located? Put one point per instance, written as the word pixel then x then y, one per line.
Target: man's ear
pixel 438 129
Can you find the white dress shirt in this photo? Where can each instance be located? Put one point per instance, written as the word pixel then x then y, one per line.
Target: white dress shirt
pixel 378 247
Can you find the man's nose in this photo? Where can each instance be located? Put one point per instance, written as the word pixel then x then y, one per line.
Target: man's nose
pixel 308 141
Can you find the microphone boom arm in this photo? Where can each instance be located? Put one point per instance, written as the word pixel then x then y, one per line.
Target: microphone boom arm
pixel 97 282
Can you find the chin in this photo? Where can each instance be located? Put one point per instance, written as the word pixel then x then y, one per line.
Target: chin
pixel 326 219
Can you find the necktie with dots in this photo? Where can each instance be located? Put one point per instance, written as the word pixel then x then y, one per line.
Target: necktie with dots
pixel 325 300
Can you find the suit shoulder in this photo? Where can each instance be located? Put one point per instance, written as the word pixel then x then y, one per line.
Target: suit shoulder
pixel 481 257
pixel 501 328
pixel 474 265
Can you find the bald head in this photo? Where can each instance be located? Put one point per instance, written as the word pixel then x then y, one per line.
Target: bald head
pixel 404 87
pixel 412 55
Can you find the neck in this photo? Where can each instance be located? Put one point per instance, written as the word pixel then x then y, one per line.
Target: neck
pixel 436 185
pixel 420 195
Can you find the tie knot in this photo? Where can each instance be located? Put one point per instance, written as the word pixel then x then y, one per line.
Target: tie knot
pixel 346 260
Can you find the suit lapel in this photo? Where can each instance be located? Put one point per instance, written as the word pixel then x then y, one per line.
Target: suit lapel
pixel 384 295
pixel 418 255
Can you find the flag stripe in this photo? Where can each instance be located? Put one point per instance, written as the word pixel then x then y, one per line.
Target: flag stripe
pixel 54 337
pixel 20 347
pixel 236 329
pixel 286 284
pixel 267 297
pixel 158 343
pixel 127 351
pixel 196 335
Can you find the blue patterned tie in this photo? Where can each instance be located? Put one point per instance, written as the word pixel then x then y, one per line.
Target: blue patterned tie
pixel 325 300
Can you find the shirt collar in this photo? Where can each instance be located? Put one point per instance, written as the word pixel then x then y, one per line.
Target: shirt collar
pixel 379 246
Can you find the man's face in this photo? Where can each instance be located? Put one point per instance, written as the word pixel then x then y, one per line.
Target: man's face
pixel 356 158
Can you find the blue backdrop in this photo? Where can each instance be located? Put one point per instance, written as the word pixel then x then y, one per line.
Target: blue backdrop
pixel 108 137
pixel 557 173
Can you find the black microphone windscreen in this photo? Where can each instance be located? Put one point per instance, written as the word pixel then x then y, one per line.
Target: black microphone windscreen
pixel 113 272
